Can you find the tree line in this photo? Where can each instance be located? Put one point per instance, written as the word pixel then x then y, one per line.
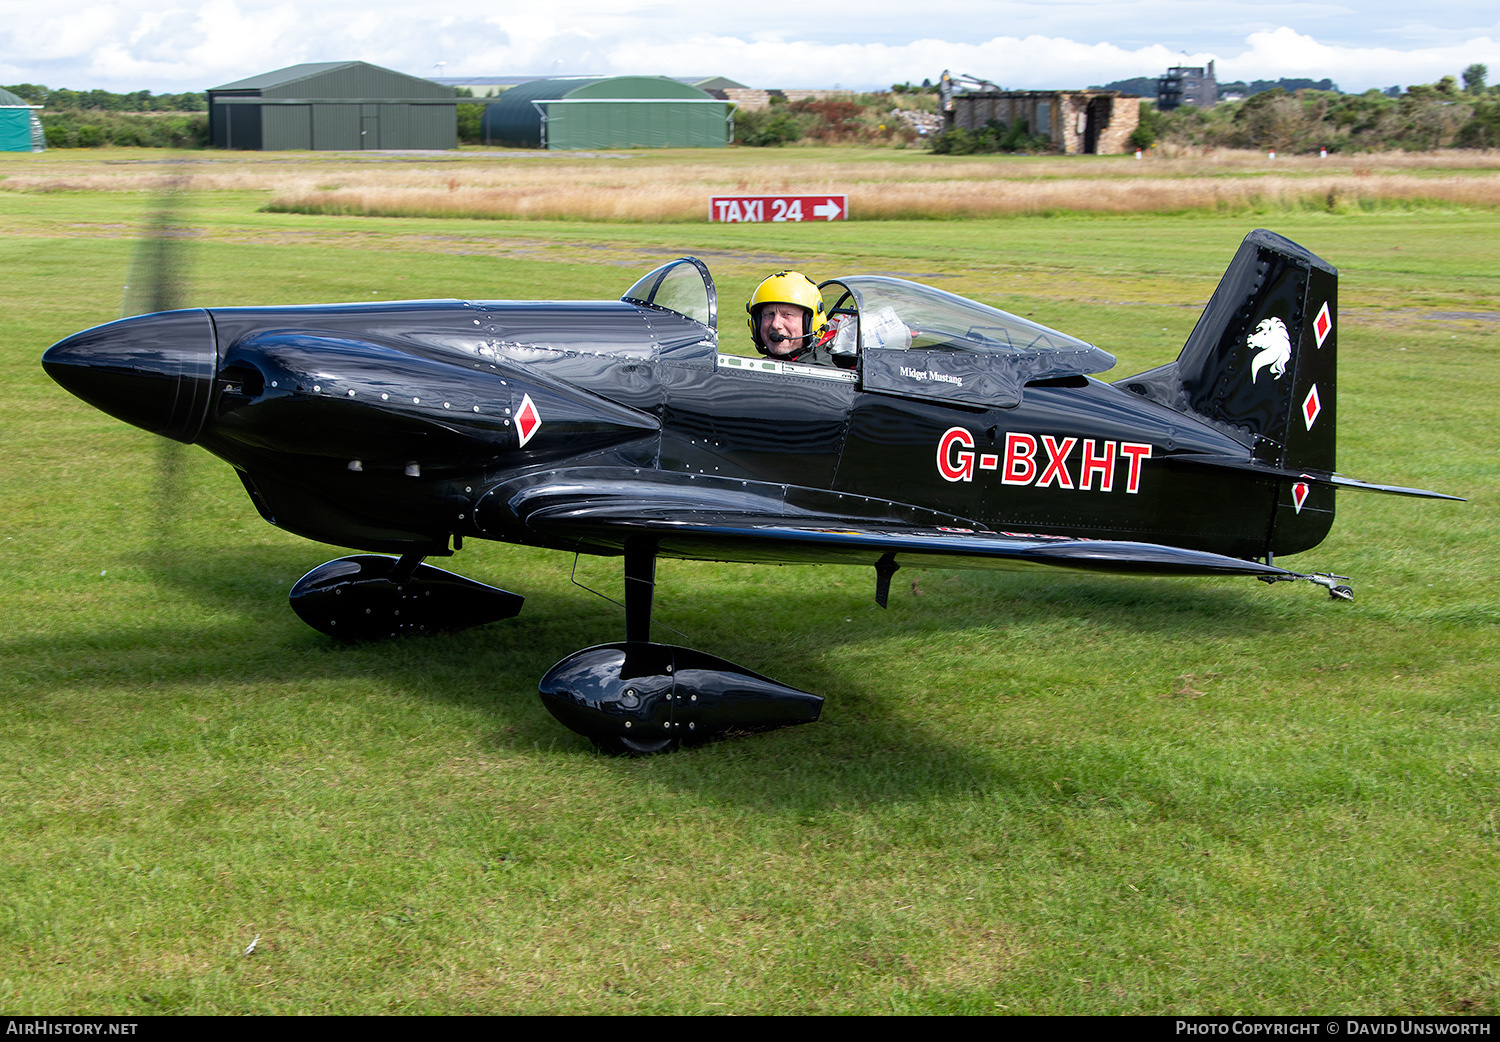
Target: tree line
pixel 93 118
pixel 1145 86
pixel 1427 116
pixel 105 101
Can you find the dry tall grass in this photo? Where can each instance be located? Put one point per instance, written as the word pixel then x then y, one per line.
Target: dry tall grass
pixel 666 187
pixel 1156 195
pixel 910 200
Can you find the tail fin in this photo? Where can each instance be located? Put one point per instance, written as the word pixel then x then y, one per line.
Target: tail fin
pixel 1261 364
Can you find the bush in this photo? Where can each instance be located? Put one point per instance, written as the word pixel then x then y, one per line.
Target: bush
pixel 991 138
pixel 470 124
pixel 1483 129
pixel 866 119
pixel 1426 116
pixel 760 128
pixel 830 119
pixel 92 129
pixel 1277 121
pixel 1149 128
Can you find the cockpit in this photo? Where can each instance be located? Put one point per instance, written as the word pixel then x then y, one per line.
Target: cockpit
pixel 905 338
pixel 684 286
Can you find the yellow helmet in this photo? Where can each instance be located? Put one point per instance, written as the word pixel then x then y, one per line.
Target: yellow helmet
pixel 788 287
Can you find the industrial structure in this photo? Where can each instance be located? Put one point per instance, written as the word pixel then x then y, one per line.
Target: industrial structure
pixel 1187 85
pixel 1078 122
pixel 332 106
pixel 607 112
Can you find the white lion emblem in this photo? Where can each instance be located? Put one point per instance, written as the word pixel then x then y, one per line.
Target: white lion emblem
pixel 1272 348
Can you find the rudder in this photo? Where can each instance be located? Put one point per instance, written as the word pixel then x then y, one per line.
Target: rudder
pixel 1262 364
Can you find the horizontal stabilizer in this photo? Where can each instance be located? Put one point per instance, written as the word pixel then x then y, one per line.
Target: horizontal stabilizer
pixel 1317 477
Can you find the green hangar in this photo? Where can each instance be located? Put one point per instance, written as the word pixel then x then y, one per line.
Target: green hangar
pixel 20 130
pixel 608 112
pixel 341 106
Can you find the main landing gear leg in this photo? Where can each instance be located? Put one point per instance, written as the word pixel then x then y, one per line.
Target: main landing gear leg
pixel 640 589
pixel 638 698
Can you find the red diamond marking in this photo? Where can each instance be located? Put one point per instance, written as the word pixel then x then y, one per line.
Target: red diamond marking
pixel 1311 406
pixel 1299 495
pixel 1323 324
pixel 529 421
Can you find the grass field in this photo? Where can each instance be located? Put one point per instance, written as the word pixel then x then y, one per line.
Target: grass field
pixel 1026 795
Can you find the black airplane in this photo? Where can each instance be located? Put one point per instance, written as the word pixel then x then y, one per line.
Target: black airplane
pixel 948 434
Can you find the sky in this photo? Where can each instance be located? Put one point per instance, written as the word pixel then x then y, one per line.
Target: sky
pixel 191 45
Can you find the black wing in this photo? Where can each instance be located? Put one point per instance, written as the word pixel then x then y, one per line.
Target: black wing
pixel 697 517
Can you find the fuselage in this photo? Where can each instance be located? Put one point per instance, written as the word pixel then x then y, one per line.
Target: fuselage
pixel 385 427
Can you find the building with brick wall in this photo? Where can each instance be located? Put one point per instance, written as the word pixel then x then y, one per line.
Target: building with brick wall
pixel 1081 122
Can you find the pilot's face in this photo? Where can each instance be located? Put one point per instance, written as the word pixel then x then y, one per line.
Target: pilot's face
pixel 782 320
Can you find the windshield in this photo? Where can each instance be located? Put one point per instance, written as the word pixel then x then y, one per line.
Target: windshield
pixel 684 286
pixel 899 315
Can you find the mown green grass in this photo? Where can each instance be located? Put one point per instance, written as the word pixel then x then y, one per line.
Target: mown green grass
pixel 1028 793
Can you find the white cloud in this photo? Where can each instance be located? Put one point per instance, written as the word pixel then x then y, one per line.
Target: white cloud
pixel 172 45
pixel 1283 52
pixel 265 37
pixel 91 27
pixel 114 64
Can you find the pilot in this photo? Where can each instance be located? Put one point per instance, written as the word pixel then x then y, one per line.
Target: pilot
pixel 787 321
